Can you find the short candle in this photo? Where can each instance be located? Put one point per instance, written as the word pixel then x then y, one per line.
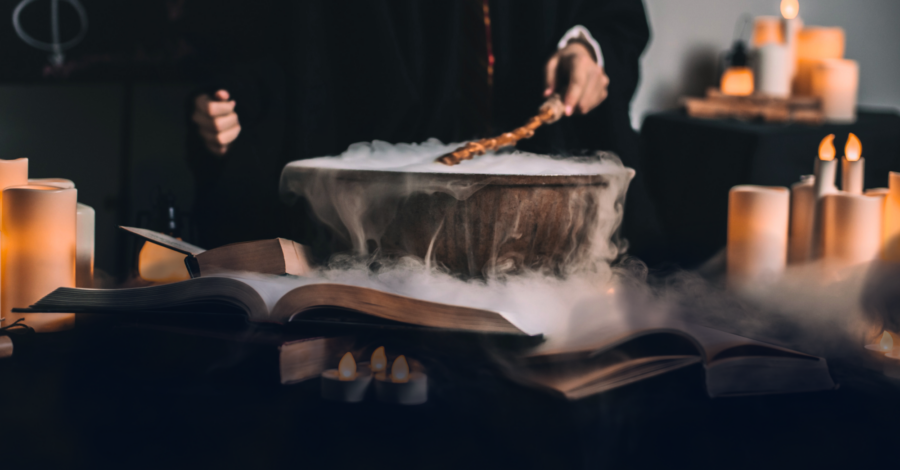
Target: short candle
pixel 346 383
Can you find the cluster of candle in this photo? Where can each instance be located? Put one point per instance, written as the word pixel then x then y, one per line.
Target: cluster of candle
pixel 769 227
pixel 350 383
pixel 791 59
pixel 46 242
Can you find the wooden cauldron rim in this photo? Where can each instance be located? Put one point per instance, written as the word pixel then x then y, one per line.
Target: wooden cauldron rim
pixel 597 179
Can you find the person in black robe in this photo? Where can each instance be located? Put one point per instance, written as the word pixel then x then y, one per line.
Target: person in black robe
pixel 324 75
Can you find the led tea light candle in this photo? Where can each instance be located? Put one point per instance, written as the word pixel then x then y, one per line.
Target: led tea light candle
pixel 803 204
pixel 851 228
pixel 378 362
pixel 757 232
pixel 37 251
pixel 853 166
pixel 885 346
pixel 891 237
pixel 836 83
pixel 402 386
pixel 346 383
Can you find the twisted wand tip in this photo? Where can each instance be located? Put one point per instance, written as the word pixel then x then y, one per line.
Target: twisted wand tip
pixel 551 111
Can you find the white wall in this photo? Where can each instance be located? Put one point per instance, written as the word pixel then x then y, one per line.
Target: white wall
pixel 689 35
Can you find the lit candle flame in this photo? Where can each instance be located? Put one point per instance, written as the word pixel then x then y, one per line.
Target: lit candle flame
pixel 826 148
pixel 887 342
pixel 379 360
pixel 347 368
pixel 853 149
pixel 790 9
pixel 400 370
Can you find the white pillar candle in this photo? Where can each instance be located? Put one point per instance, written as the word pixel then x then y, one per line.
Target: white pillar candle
pixel 12 173
pixel 773 70
pixel 892 219
pixel 37 251
pixel 757 232
pixel 825 174
pixel 851 228
pixel 803 204
pixel 836 83
pixel 84 248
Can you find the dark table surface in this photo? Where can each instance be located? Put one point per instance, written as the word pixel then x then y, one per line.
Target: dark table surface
pixel 108 397
pixel 691 164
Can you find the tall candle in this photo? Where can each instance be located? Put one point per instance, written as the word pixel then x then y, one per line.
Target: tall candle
pixel 892 219
pixel 851 228
pixel 757 232
pixel 853 166
pixel 37 251
pixel 836 83
pixel 826 171
pixel 84 246
pixel 12 173
pixel 803 204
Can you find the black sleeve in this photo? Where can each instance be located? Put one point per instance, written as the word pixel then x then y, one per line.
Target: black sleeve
pixel 621 29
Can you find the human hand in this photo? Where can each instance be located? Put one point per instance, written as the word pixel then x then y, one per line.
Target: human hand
pixel 584 83
pixel 216 120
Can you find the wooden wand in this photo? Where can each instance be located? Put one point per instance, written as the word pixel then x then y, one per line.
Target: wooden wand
pixel 551 111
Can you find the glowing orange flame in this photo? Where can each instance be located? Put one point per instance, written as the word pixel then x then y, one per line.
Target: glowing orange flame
pixel 790 9
pixel 400 370
pixel 347 368
pixel 887 342
pixel 379 360
pixel 826 148
pixel 853 149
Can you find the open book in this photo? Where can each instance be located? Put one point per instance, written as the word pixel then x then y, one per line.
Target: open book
pixel 274 256
pixel 279 300
pixel 734 365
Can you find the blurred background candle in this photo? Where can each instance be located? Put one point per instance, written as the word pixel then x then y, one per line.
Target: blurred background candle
pixel 836 83
pixel 892 219
pixel 737 81
pixel 815 44
pixel 851 228
pixel 803 203
pixel 757 232
pixel 853 166
pixel 37 251
pixel 773 70
pixel 84 246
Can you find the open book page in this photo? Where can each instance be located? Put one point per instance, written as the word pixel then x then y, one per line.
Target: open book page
pixel 719 344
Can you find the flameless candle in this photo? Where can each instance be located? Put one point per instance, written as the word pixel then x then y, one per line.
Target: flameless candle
pixel 61 183
pixel 402 386
pixel 803 204
pixel 767 30
pixel 892 219
pixel 84 251
pixel 826 171
pixel 886 344
pixel 836 83
pixel 737 81
pixel 37 251
pixel 773 71
pixel 346 383
pixel 757 232
pixel 851 228
pixel 853 166
pixel 815 44
pixel 378 362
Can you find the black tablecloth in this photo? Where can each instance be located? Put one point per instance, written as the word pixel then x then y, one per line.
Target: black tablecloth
pixel 104 398
pixel 690 165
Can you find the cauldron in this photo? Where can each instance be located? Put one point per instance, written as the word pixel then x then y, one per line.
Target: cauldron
pixel 474 225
